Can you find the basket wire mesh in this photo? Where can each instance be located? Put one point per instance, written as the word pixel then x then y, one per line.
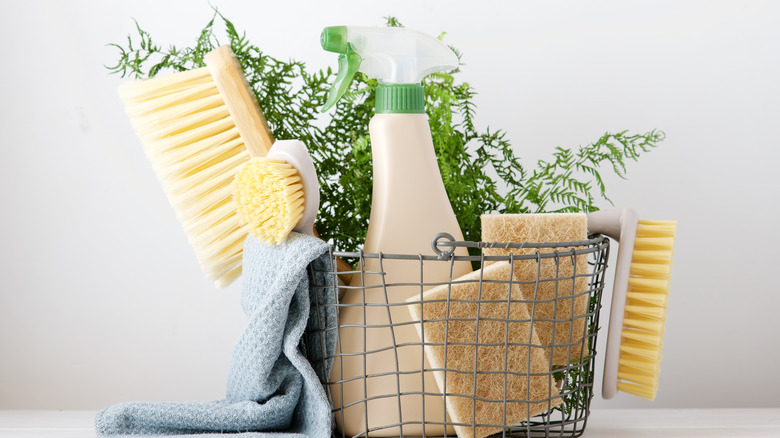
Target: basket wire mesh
pixel 567 398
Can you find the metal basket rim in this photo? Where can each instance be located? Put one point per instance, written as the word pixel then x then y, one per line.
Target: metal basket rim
pixel 580 247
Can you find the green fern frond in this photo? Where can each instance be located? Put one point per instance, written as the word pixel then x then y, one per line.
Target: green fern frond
pixel 480 169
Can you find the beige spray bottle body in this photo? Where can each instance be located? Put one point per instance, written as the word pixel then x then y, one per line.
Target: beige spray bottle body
pixel 377 382
pixel 409 207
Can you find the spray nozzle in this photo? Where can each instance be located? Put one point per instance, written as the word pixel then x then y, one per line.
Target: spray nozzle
pixel 334 39
pixel 391 55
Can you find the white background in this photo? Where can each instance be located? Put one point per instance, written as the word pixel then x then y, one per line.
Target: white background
pixel 102 300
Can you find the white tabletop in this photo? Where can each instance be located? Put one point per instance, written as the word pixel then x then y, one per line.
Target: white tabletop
pixel 602 423
pixel 672 423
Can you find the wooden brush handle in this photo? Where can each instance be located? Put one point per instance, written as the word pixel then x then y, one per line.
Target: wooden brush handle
pixel 247 115
pixel 240 101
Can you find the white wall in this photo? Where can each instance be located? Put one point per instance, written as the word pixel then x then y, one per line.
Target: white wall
pixel 102 301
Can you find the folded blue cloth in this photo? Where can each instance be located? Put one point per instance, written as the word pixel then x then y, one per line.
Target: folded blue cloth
pixel 273 389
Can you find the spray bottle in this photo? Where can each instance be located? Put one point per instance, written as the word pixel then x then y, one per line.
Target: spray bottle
pixel 409 207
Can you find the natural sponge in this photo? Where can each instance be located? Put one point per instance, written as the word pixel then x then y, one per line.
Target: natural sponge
pixel 486 356
pixel 557 288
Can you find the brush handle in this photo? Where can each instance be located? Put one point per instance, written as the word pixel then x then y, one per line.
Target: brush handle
pixel 240 101
pixel 620 225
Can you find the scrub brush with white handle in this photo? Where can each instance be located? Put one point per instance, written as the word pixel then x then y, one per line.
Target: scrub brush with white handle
pixel 278 193
pixel 639 300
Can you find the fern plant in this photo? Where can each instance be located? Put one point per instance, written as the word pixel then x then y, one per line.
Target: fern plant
pixel 291 97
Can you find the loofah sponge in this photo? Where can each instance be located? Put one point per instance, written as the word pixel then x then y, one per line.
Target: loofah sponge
pixel 560 306
pixel 507 379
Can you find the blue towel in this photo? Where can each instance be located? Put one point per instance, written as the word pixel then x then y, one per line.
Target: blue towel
pixel 273 389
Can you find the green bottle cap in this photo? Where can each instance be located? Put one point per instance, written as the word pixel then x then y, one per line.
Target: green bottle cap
pixel 400 98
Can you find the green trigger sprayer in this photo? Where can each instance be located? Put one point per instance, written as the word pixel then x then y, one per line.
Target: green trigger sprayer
pixel 409 207
pixel 398 58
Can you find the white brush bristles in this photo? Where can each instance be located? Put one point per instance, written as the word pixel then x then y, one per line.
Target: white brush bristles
pixel 195 150
pixel 645 309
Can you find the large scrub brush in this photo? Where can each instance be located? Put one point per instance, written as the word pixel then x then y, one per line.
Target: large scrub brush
pixel 197 128
pixel 639 300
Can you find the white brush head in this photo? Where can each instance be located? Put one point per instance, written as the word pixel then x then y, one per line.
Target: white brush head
pixel 295 153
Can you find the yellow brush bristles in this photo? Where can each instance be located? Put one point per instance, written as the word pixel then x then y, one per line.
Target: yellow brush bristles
pixel 198 127
pixel 195 149
pixel 645 311
pixel 269 197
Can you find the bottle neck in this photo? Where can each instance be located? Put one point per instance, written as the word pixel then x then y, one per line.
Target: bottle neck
pixel 400 99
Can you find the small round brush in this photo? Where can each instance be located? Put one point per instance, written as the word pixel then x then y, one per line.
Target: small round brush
pixel 278 193
pixel 270 199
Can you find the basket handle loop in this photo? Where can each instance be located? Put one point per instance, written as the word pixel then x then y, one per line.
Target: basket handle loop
pixel 437 240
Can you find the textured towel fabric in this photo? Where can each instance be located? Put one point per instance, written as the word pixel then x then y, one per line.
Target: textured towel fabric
pixel 272 390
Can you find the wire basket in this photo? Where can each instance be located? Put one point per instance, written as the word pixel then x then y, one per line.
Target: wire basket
pixel 508 349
